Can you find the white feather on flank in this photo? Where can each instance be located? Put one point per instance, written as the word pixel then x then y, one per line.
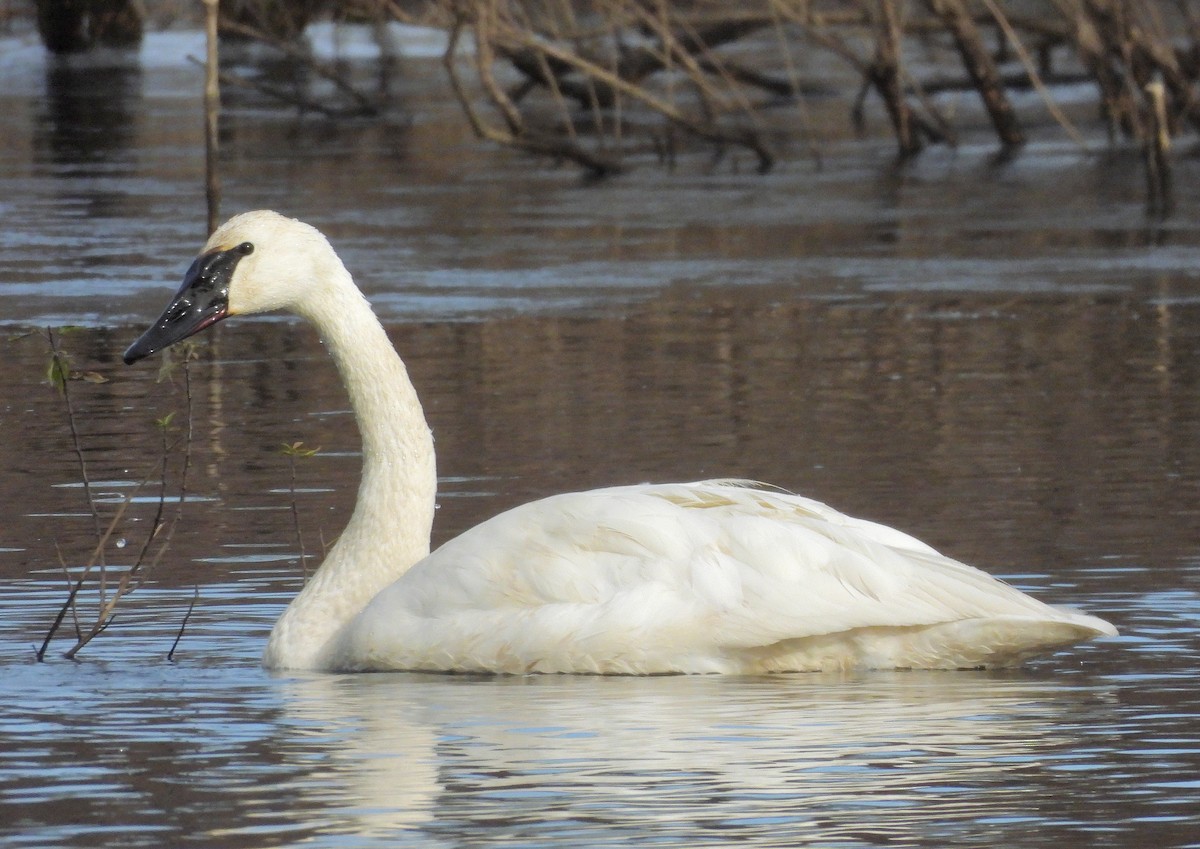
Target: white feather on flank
pixel 713 576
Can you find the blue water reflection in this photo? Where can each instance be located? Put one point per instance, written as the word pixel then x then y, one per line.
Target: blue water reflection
pixel 908 759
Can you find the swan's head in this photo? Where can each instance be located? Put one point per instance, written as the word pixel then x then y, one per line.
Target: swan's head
pixel 255 262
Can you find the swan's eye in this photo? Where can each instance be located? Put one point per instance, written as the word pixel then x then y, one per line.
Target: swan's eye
pixel 245 248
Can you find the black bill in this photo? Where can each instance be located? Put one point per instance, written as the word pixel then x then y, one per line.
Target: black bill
pixel 201 301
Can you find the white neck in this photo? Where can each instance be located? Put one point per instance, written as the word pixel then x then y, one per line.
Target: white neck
pixel 390 527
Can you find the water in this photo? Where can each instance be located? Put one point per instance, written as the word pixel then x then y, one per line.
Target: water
pixel 1001 358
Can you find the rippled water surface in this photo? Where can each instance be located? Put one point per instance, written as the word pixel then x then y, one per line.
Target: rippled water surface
pixel 1002 358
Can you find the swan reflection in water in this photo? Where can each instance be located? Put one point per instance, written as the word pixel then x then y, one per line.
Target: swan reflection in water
pixel 891 756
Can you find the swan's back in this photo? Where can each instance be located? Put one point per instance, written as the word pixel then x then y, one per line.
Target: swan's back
pixel 704 577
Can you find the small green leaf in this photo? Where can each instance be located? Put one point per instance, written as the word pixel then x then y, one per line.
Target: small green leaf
pixel 165 421
pixel 297 449
pixel 57 372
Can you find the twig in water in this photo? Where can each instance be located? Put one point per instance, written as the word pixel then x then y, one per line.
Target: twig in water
pixel 183 624
pixel 212 114
pixel 292 451
pixel 59 376
pixel 67 572
pixel 87 569
pixel 135 576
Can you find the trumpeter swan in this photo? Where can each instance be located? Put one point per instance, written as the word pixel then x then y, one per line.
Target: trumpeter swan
pixel 714 576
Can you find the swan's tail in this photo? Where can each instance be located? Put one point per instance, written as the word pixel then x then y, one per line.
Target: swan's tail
pixel 1006 641
pixel 1089 626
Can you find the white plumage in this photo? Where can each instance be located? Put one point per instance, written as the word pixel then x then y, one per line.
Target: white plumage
pixel 714 576
pixel 711 576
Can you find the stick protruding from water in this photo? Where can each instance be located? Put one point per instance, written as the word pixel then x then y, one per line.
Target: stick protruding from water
pixel 212 111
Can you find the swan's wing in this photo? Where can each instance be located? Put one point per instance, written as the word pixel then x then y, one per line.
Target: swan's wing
pixel 677 571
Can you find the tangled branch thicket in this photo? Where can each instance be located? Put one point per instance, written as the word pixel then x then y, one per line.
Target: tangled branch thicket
pixel 591 80
pixel 594 81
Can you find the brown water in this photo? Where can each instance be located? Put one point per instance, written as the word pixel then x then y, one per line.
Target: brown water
pixel 1003 359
